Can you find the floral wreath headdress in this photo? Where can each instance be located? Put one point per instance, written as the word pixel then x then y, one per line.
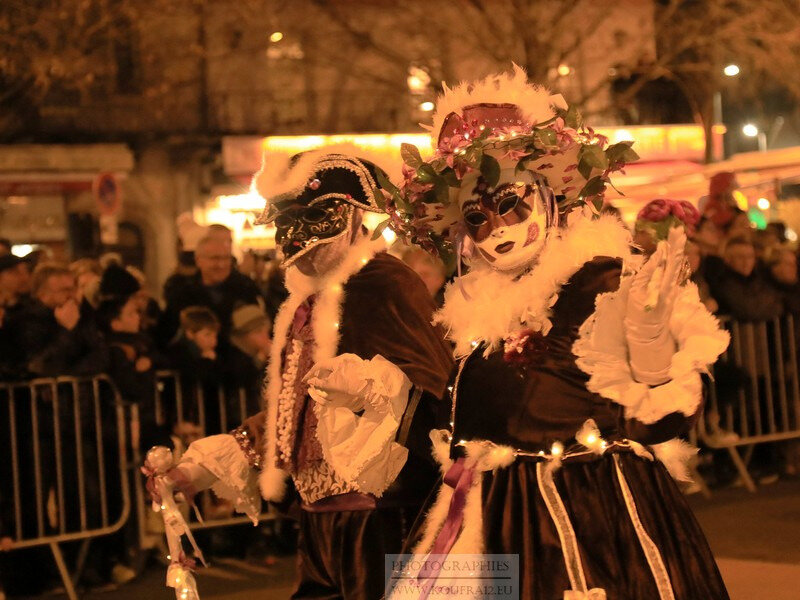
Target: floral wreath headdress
pixel 501 115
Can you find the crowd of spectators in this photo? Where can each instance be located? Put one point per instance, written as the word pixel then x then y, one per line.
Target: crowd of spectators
pixel 208 340
pixel 83 318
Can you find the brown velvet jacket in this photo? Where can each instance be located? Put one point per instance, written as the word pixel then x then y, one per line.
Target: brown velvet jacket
pixel 387 310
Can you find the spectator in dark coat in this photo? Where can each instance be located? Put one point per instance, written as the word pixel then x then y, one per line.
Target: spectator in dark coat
pixel 781 263
pixel 132 358
pixel 249 353
pixel 189 234
pixel 741 290
pixel 50 333
pixel 12 301
pixel 11 284
pixel 216 285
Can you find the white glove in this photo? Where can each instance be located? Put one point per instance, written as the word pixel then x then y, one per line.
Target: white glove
pixel 339 381
pixel 360 447
pixel 650 302
pixel 351 382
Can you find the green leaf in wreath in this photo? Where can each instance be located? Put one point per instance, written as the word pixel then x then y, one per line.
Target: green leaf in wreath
pixel 572 117
pixel 384 182
pixel 449 175
pixel 490 170
pixel 473 157
pixel 546 136
pixel 621 152
pixel 594 186
pixel 594 156
pixel 426 174
pixel 584 168
pixel 379 229
pixel 442 190
pixel 410 155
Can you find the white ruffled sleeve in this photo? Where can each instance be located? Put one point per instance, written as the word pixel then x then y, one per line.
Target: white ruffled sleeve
pixel 361 448
pixel 602 353
pixel 236 480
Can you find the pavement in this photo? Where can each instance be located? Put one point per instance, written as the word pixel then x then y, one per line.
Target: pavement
pixel 755 538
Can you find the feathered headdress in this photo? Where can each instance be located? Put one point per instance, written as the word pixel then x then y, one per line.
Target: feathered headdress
pixel 500 118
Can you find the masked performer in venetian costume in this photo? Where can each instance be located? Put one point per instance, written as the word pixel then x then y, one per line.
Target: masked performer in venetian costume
pixel 355 381
pixel 577 365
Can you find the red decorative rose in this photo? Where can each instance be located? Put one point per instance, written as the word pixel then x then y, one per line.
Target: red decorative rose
pixel 656 210
pixel 524 347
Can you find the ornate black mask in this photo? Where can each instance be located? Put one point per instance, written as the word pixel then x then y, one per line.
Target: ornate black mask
pixel 299 228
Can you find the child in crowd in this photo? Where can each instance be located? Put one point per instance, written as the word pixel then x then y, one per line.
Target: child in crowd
pixel 198 340
pixel 194 355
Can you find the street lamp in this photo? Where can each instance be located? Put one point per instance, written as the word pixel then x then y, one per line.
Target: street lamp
pixel 718 123
pixel 418 80
pixel 427 106
pixel 731 70
pixel 751 130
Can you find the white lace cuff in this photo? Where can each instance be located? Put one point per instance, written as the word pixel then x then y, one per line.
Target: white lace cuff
pixel 236 480
pixel 602 353
pixel 361 448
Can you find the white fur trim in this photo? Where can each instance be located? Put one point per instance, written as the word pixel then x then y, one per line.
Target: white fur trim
pixel 602 352
pixel 483 456
pixel 676 455
pixel 535 102
pixel 327 311
pixel 499 305
pixel 440 445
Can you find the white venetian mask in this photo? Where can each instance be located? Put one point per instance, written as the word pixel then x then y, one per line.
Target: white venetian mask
pixel 507 223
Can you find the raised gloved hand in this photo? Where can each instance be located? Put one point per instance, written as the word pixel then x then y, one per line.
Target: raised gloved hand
pixel 650 302
pixel 360 404
pixel 339 381
pixel 354 383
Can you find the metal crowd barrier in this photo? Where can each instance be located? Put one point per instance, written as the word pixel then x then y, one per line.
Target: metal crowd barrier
pixel 73 443
pixel 65 456
pixel 755 393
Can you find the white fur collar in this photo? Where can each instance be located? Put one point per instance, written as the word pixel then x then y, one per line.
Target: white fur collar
pixel 325 320
pixel 496 304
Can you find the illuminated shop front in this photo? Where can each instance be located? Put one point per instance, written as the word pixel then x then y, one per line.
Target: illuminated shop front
pixel 671 165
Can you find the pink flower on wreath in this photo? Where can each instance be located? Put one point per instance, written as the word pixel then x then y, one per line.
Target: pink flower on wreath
pixel 661 208
pixel 514 154
pixel 451 144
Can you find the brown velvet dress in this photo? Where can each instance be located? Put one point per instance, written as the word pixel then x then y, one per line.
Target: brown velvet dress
pixel 529 407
